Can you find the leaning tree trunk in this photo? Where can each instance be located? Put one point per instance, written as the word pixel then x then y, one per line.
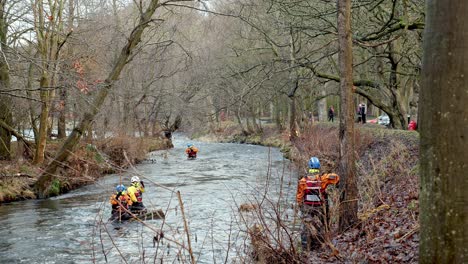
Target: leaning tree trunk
pixel 347 166
pixel 5 101
pixel 7 117
pixel 444 134
pixel 42 185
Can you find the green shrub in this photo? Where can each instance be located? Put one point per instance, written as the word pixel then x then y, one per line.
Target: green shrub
pixel 54 188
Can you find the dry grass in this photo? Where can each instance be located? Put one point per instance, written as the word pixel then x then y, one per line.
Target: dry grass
pixel 85 165
pixel 321 140
pixel 15 180
pixel 387 163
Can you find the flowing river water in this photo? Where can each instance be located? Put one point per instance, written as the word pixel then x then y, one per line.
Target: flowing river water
pixel 73 228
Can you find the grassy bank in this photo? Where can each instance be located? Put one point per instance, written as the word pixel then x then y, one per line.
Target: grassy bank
pixel 229 132
pixel 90 161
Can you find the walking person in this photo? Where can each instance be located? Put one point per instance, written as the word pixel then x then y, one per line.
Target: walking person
pixel 331 113
pixel 359 116
pixel 363 112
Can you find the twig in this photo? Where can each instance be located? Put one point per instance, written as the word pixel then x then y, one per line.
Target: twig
pixel 112 240
pixel 410 233
pixel 192 258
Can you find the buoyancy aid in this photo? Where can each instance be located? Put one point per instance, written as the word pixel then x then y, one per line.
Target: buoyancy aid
pixel 191 151
pixel 120 199
pixel 314 194
pixel 139 195
pixel 136 192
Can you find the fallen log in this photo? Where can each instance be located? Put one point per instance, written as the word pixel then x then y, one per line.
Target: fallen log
pixel 153 215
pixel 16 134
pixel 149 215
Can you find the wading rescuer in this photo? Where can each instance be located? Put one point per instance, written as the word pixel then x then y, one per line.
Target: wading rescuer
pixel 120 202
pixel 136 195
pixel 191 151
pixel 312 199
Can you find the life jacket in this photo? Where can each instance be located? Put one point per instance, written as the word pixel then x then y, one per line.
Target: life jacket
pixel 123 199
pixel 192 152
pixel 314 194
pixel 139 195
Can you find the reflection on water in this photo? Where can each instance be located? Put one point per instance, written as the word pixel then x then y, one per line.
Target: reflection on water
pixel 73 228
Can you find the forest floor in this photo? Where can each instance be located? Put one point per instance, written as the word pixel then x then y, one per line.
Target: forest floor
pixel 90 161
pixel 388 182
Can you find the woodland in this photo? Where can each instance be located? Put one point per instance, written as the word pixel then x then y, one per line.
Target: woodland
pixel 76 71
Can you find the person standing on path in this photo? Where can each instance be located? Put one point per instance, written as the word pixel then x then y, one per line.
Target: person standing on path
pixel 362 111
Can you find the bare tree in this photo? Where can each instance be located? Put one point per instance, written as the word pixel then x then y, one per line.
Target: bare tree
pixel 42 185
pixel 49 41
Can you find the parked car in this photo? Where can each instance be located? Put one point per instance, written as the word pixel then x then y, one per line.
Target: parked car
pixel 383 120
pixel 372 121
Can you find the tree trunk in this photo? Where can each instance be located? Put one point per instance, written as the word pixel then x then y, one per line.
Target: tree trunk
pixel 5 100
pixel 62 119
pixel 42 185
pixel 444 134
pixel 277 114
pixel 293 133
pixel 6 117
pixel 43 120
pixel 347 166
pixel 32 112
pixel 322 106
pixel 239 121
pixel 61 124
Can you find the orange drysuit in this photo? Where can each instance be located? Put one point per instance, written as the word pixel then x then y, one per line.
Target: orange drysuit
pixel 325 179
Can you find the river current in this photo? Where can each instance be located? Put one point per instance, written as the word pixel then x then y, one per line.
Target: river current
pixel 73 228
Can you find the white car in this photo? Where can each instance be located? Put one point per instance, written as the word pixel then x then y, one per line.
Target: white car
pixel 383 120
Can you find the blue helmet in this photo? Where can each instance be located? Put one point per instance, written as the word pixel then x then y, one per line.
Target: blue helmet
pixel 314 163
pixel 120 188
pixel 189 145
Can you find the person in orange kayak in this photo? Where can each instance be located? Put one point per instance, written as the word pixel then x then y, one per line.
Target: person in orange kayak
pixel 191 151
pixel 312 198
pixel 120 202
pixel 136 195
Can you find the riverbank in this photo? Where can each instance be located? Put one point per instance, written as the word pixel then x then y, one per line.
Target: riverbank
pixel 388 183
pixel 90 161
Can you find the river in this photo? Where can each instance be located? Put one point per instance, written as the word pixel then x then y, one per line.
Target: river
pixel 73 228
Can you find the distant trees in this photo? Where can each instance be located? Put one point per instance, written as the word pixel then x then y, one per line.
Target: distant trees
pixel 274 41
pixel 444 134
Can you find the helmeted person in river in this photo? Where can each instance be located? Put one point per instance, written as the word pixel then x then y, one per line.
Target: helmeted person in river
pixel 312 198
pixel 136 195
pixel 191 151
pixel 120 202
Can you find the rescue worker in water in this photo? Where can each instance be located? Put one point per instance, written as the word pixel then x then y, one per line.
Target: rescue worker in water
pixel 191 151
pixel 120 202
pixel 135 192
pixel 312 199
